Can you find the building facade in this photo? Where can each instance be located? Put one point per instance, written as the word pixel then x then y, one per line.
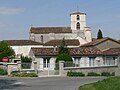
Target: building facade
pixel 77 30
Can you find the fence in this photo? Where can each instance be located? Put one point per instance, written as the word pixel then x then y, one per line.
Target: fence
pixel 49 70
pixel 26 65
pixel 71 66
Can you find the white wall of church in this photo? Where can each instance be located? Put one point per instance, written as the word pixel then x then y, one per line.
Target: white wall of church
pixel 48 37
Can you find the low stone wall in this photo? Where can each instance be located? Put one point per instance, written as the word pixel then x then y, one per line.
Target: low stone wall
pixel 93 69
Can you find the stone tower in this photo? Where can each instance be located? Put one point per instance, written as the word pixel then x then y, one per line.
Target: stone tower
pixel 79 27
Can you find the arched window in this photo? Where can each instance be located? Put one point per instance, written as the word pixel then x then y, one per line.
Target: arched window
pixel 78 17
pixel 78 26
pixel 42 38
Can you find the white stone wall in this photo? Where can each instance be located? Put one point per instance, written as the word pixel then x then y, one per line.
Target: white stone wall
pixel 52 63
pixel 88 34
pixel 84 61
pixel 38 60
pixel 74 21
pixel 24 50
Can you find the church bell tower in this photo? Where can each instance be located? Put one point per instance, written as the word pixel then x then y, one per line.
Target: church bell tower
pixel 78 25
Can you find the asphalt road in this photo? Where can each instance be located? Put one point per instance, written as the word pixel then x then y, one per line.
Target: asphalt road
pixel 51 83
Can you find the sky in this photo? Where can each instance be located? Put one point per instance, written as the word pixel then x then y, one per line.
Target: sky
pixel 17 16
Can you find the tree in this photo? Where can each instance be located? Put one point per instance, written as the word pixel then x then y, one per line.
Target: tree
pixel 63 53
pixel 6 50
pixel 26 59
pixel 99 35
pixel 63 47
pixel 64 56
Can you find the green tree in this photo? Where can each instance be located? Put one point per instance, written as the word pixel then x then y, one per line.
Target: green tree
pixel 99 35
pixel 26 59
pixel 64 53
pixel 63 47
pixel 6 50
pixel 64 56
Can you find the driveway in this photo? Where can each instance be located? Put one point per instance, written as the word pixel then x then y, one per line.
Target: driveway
pixel 51 83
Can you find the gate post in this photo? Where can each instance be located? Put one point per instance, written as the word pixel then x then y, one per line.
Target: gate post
pixel 117 72
pixel 35 66
pixel 11 67
pixel 61 68
pixel 19 65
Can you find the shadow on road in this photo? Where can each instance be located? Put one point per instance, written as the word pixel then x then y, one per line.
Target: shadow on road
pixel 10 84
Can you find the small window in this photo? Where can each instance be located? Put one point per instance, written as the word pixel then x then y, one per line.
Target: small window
pixel 78 26
pixel 42 38
pixel 109 60
pixel 78 17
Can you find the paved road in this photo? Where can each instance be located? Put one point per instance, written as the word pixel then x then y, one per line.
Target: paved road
pixel 51 83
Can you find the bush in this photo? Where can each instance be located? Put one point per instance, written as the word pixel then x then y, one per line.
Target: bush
pixel 108 74
pixel 65 57
pixel 26 59
pixel 75 74
pixel 3 72
pixel 93 74
pixel 21 74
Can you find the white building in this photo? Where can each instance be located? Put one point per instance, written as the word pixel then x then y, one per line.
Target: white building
pixel 23 47
pixel 77 30
pixel 101 52
pixel 44 41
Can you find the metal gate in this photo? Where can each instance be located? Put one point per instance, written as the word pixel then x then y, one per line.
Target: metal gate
pixel 49 70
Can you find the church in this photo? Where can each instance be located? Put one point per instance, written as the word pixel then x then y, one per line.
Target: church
pixel 78 30
pixel 85 51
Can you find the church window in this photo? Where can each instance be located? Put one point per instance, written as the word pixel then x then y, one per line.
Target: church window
pixel 78 17
pixel 42 38
pixel 78 25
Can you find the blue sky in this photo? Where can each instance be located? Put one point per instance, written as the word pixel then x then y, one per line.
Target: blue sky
pixel 17 16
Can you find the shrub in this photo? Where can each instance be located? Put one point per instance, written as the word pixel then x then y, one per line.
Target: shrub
pixel 108 74
pixel 18 74
pixel 3 72
pixel 75 74
pixel 65 57
pixel 93 74
pixel 26 59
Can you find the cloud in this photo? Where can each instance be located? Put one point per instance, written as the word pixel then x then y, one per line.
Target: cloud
pixel 10 11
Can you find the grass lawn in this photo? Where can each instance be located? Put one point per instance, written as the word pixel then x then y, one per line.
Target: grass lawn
pixel 112 83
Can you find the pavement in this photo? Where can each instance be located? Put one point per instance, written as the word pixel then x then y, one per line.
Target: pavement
pixel 46 83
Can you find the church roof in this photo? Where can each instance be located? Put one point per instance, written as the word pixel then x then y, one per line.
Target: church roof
pixel 47 30
pixel 70 42
pixel 77 13
pixel 22 42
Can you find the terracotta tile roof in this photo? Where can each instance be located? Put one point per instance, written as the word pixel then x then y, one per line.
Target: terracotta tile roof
pixel 85 51
pixel 78 13
pixel 73 51
pixel 44 51
pixel 112 51
pixel 94 39
pixel 69 42
pixel 98 41
pixel 22 42
pixel 47 30
pixel 81 51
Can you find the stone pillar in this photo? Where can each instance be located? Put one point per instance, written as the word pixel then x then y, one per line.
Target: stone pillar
pixel 19 65
pixel 117 72
pixel 11 67
pixel 61 68
pixel 35 66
